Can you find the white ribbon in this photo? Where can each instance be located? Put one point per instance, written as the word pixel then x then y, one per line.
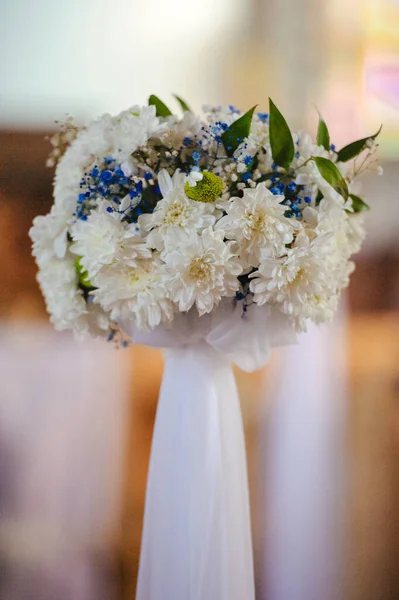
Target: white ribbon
pixel 196 542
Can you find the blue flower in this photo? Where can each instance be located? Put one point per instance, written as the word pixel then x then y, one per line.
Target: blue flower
pixel 196 156
pixel 233 109
pixel 263 117
pixel 106 176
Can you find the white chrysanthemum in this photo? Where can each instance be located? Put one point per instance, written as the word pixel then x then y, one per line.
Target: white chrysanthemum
pixel 175 216
pixel 103 238
pixel 300 281
pixel 133 128
pixel 186 127
pixel 307 148
pixel 256 221
pixel 308 174
pixel 202 272
pixel 346 229
pixel 65 302
pixel 356 232
pixel 134 293
pixel 116 136
pixel 258 136
pixel 220 114
pixel 91 144
pixel 59 283
pixel 257 139
pixel 49 236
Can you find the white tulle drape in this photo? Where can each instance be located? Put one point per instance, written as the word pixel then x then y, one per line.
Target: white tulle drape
pixel 196 541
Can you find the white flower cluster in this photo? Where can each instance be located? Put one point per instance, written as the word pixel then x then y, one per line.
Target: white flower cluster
pixel 155 214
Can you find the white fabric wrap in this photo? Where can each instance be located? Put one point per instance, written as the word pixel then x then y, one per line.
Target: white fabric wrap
pixel 196 542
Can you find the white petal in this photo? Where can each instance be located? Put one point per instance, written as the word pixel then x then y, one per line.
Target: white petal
pixel 165 183
pixel 125 203
pixel 127 168
pixel 60 244
pixel 302 179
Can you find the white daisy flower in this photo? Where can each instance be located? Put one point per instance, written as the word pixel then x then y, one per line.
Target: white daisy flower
pixel 49 235
pixel 65 302
pixel 202 272
pixel 346 229
pixel 133 128
pixel 136 293
pixel 103 238
pixel 256 221
pixel 356 232
pixel 296 280
pixel 175 216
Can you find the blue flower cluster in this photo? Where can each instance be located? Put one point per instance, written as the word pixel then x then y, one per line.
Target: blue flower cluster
pixel 294 201
pixel 210 134
pixel 108 182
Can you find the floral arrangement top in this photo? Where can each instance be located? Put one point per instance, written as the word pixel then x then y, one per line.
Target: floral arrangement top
pixel 155 214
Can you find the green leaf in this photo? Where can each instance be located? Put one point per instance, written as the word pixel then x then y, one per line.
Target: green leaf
pixel 185 107
pixel 237 132
pixel 323 135
pixel 162 109
pixel 355 148
pixel 358 204
pixel 281 141
pixel 332 175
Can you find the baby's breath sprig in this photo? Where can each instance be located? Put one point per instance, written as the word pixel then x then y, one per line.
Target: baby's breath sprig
pixel 61 140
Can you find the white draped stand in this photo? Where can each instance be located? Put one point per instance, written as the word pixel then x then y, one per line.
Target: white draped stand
pixel 196 542
pixel 197 539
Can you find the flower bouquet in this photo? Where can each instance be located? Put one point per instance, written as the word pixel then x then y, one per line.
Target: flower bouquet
pixel 215 237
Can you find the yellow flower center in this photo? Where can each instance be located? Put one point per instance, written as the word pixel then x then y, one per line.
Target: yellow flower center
pixel 199 270
pixel 175 214
pixel 134 276
pixel 257 219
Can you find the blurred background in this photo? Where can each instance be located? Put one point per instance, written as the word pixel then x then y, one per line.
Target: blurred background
pixel 321 420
